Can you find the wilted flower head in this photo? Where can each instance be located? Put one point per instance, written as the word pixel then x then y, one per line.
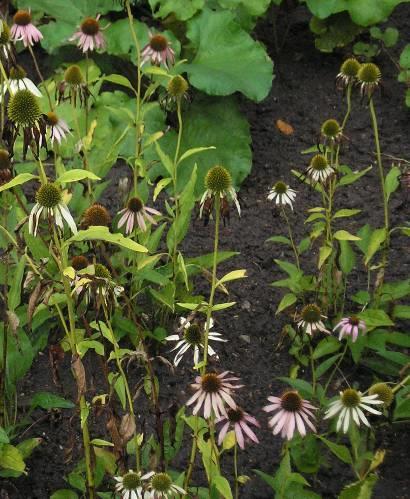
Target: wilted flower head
pixel 49 202
pixel 218 183
pixel 5 167
pixel 24 113
pixel 350 326
pixel 161 486
pixel 282 194
pixel 239 420
pixel 212 391
pixel 79 262
pixel 369 77
pixel 177 90
pixel 310 320
pixel 383 392
pixel 319 169
pixel 293 413
pixel 58 127
pixel 73 86
pixel 89 36
pixel 350 408
pixel 23 29
pixel 96 214
pixel 192 336
pixel 158 50
pixel 135 214
pixel 348 71
pixel 130 485
pixel 331 131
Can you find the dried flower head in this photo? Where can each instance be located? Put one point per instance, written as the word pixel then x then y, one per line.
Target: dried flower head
pixel 348 71
pixel 158 50
pixel 23 29
pixel 310 320
pixel 212 391
pixel 96 214
pixel 73 87
pixel 7 52
pixel 79 262
pixel 282 194
pixel 350 326
pixel 350 408
pixel 331 131
pixel 136 214
pixel 89 36
pixel 383 392
pixel 177 90
pixel 218 183
pixel 319 169
pixel 369 77
pixel 240 421
pixel 293 413
pixel 49 202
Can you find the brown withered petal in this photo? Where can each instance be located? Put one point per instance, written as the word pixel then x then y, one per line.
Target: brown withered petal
pixel 79 374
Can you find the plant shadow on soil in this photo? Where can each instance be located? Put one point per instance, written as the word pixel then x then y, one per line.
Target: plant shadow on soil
pixel 304 95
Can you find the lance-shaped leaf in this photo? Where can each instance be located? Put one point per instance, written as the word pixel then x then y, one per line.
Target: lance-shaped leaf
pixel 99 233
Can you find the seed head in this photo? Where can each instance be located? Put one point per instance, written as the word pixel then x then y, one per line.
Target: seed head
pixel 384 392
pixel 369 73
pixel 350 398
pixel 5 34
pixel 90 26
pixel 79 262
pixel 73 75
pixel 158 43
pixel 192 334
pixel 4 159
pixel 311 313
pixel 131 481
pixel 48 196
pixel 319 162
pixel 101 271
pixel 17 73
pixel 210 383
pixel 22 17
pixel 331 129
pixel 23 108
pixel 177 86
pixel 350 67
pixel 135 205
pixel 291 401
pixel 96 215
pixel 280 187
pixel 218 179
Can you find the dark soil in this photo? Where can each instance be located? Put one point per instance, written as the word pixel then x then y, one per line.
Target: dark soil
pixel 304 95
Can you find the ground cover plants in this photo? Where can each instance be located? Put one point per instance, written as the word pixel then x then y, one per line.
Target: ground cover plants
pixel 107 288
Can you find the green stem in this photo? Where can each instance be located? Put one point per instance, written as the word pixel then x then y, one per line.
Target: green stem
pixel 192 456
pixel 346 117
pixel 40 76
pixel 402 383
pixel 174 181
pixel 235 468
pixel 213 281
pixel 312 367
pixel 295 251
pixel 335 369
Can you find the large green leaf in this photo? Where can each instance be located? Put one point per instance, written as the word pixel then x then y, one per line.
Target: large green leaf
pixel 227 59
pixel 210 122
pixel 100 233
pixel 182 9
pixel 254 7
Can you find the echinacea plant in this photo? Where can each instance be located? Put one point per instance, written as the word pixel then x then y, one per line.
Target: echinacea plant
pixel 350 326
pixel 23 29
pixel 240 421
pixel 136 214
pixel 89 36
pixel 282 195
pixel 158 51
pixel 131 484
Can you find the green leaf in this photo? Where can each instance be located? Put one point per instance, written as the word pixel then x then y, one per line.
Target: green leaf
pixel 301 385
pixel 375 318
pixel 222 484
pixel 376 240
pixel 324 253
pixel 165 159
pixel 101 443
pixel 231 276
pixel 326 346
pixel 47 400
pixel 11 458
pixel 343 235
pixel 14 297
pixel 391 182
pixel 340 451
pixel 119 80
pixel 352 177
pixel 64 494
pixel 360 490
pixel 347 257
pixel 327 364
pixel 231 139
pixel 27 446
pixel 75 175
pixel 85 345
pixel 405 57
pixel 100 233
pixel 224 49
pixel 193 151
pixel 279 239
pixel 347 212
pixel 4 439
pixel 18 180
pixel 254 8
pixel 181 9
pixel 288 300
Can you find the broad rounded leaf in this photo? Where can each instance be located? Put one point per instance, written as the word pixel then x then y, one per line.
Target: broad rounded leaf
pixel 182 9
pixel 227 58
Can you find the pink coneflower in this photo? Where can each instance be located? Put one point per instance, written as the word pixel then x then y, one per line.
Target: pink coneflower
pixel 350 326
pixel 23 29
pixel 213 391
pixel 89 36
pixel 135 214
pixel 59 128
pixel 310 320
pixel 294 413
pixel 239 420
pixel 157 51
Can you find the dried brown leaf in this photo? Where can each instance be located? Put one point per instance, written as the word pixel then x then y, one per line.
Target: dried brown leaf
pixel 284 127
pixel 79 374
pixel 127 427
